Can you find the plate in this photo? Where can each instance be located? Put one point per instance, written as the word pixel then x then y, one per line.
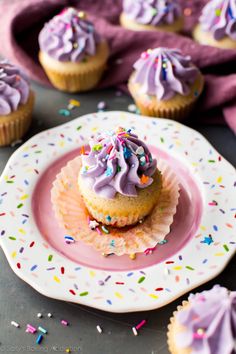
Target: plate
pixel 200 244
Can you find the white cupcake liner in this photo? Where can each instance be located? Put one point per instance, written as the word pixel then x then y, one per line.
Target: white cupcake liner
pixel 73 216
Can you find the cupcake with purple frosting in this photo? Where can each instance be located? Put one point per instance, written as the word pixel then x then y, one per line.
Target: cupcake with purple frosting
pixel 205 324
pixel 71 52
pixel 119 180
pixel 152 15
pixel 16 103
pixel 217 24
pixel 165 83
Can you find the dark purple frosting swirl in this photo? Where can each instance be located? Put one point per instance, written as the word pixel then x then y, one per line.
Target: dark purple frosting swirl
pixel 210 322
pixel 163 72
pixel 152 12
pixel 68 37
pixel 118 162
pixel 219 18
pixel 14 88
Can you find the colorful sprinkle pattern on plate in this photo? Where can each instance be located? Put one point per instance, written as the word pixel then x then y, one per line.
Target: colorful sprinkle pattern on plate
pixel 50 273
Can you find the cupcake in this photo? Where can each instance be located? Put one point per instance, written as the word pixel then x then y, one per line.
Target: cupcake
pixel 119 180
pixel 165 83
pixel 71 52
pixel 152 15
pixel 205 324
pixel 217 24
pixel 16 103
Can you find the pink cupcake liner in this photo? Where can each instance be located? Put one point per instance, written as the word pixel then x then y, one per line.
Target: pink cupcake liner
pixel 73 216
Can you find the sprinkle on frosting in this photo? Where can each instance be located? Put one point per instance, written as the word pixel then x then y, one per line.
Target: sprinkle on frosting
pixel 219 18
pixel 164 72
pixel 152 12
pixel 209 321
pixel 14 88
pixel 69 36
pixel 118 162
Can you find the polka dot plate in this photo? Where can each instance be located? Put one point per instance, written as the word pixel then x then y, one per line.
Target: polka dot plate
pixel 199 246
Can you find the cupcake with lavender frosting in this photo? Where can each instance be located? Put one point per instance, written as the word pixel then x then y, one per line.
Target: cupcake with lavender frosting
pixel 205 324
pixel 119 180
pixel 152 15
pixel 217 24
pixel 165 83
pixel 16 103
pixel 71 51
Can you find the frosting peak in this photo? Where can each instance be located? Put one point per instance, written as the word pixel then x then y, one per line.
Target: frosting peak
pixel 210 321
pixel 152 12
pixel 118 162
pixel 164 72
pixel 14 88
pixel 219 18
pixel 68 36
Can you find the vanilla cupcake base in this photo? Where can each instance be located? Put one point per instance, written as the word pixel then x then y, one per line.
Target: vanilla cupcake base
pixel 122 210
pixel 73 216
pixel 178 107
pixel 76 76
pixel 176 26
pixel 175 328
pixel 206 38
pixel 14 125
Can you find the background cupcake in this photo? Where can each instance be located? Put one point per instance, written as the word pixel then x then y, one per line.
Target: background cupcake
pixel 206 323
pixel 71 52
pixel 152 15
pixel 119 180
pixel 217 24
pixel 165 83
pixel 16 103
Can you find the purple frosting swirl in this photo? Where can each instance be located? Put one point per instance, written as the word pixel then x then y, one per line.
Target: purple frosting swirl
pixel 68 37
pixel 219 18
pixel 152 12
pixel 14 88
pixel 164 72
pixel 118 162
pixel 210 322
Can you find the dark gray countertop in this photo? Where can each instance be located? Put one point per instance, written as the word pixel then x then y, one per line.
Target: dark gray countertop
pixel 19 302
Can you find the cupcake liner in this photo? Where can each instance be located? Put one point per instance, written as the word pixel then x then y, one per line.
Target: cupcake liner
pixel 72 214
pixel 176 113
pixel 173 329
pixel 16 124
pixel 176 26
pixel 76 79
pixel 172 109
pixel 206 38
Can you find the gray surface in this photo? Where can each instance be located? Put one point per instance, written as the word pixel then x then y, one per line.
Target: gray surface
pixel 19 302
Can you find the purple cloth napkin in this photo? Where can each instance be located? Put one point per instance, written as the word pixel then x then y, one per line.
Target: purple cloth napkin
pixel 22 20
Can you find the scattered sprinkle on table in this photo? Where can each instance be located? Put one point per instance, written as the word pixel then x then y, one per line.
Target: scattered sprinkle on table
pixel 64 112
pixel 43 330
pixel 74 103
pixel 132 108
pixel 30 329
pixel 39 315
pixel 101 105
pixel 49 315
pixel 135 332
pixel 39 339
pixel 64 323
pixel 99 329
pixel 15 324
pixel 141 324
